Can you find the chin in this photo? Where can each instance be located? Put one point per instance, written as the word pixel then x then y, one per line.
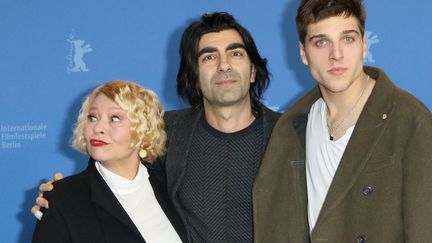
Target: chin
pixel 334 88
pixel 97 157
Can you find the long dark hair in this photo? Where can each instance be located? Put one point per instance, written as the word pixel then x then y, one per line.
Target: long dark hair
pixel 187 76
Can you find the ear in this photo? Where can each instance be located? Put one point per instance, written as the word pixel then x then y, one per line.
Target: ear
pixel 365 50
pixel 303 54
pixel 253 74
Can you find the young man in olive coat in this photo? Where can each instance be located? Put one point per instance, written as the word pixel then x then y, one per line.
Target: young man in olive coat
pixel 351 160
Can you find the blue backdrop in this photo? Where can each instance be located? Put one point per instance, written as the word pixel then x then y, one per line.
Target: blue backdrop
pixel 54 52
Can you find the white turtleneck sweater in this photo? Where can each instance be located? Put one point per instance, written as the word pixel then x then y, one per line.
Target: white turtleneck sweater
pixel 138 199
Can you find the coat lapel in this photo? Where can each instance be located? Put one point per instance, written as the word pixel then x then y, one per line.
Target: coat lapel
pixel 369 128
pixel 299 124
pixel 269 120
pixel 102 196
pixel 157 180
pixel 283 213
pixel 180 138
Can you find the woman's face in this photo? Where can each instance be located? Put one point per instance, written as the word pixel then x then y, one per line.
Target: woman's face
pixel 107 134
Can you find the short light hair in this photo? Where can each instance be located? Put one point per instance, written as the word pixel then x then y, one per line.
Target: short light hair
pixel 143 110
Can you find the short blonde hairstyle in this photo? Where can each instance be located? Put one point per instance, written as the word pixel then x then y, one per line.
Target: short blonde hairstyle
pixel 143 111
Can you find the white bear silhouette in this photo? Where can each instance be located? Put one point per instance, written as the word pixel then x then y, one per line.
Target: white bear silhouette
pixel 370 40
pixel 79 51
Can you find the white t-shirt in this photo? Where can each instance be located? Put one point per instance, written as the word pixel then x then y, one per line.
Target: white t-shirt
pixel 322 158
pixel 138 199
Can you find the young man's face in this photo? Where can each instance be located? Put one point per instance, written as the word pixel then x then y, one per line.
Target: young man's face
pixel 334 51
pixel 225 70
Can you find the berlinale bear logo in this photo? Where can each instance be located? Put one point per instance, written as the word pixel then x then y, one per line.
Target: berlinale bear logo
pixel 78 49
pixel 370 40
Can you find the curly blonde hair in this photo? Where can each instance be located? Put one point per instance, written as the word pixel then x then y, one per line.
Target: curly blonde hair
pixel 143 111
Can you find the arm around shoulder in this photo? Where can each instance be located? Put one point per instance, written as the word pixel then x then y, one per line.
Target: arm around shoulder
pixel 51 228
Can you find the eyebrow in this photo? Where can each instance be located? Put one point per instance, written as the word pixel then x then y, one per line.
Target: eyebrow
pixel 350 31
pixel 343 32
pixel 316 36
pixel 231 46
pixel 91 108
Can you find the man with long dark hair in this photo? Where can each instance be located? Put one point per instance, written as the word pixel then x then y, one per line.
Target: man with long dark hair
pixel 215 147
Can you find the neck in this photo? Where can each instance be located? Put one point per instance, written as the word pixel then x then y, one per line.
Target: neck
pixel 344 108
pixel 229 119
pixel 339 103
pixel 125 169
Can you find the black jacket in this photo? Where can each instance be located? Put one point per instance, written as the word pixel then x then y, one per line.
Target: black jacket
pixel 84 209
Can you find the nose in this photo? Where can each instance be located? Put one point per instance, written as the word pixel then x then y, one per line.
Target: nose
pixel 224 64
pixel 99 127
pixel 336 53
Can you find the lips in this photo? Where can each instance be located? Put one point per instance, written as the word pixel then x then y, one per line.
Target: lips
pixel 337 71
pixel 97 143
pixel 227 81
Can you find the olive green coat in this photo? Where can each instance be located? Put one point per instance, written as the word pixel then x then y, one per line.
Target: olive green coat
pixel 382 189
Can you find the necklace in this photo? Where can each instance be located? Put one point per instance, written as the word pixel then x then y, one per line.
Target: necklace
pixel 333 129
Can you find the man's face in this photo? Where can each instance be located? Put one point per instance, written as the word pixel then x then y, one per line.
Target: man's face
pixel 225 70
pixel 334 51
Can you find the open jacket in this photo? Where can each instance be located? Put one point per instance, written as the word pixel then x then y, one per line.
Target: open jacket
pixel 382 189
pixel 180 127
pixel 83 209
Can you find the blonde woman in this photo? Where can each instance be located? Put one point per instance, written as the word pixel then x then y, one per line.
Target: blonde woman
pixel 116 199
